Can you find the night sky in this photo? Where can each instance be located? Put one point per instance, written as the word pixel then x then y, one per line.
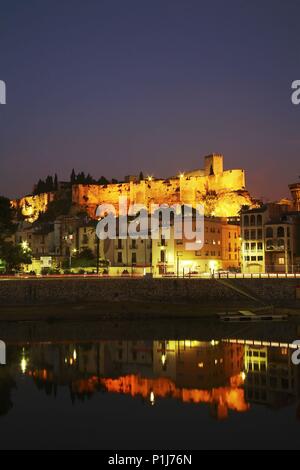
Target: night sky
pixel 119 86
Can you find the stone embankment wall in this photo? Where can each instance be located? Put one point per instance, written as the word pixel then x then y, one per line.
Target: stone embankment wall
pixel 83 290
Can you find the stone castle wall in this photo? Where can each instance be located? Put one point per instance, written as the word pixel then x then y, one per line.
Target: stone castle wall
pixel 222 194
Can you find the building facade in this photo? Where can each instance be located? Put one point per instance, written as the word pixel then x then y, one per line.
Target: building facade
pixel 270 239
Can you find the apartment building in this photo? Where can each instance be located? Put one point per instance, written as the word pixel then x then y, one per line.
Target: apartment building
pixel 270 239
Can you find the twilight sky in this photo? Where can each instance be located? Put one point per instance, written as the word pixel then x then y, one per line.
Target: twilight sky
pixel 119 86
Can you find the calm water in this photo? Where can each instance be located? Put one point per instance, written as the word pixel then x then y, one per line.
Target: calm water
pixel 131 386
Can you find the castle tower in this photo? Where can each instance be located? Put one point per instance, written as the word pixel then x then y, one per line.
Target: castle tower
pixel 295 192
pixel 213 164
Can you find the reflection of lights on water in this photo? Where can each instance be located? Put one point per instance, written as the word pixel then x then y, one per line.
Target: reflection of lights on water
pixel 74 354
pixel 71 361
pixel 23 364
pixel 152 398
pixel 243 375
pixel 163 359
pixel 66 360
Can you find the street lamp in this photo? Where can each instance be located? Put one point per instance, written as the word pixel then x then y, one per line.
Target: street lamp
pixel 179 253
pixel 24 245
pixel 74 251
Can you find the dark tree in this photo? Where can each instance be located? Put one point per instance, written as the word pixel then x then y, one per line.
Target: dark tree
pixel 7 227
pixel 102 180
pixel 73 177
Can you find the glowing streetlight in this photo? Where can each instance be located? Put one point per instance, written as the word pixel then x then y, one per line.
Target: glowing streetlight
pixel 24 245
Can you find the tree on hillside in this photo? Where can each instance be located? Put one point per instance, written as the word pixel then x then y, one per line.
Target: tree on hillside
pixel 46 186
pixel 103 180
pixel 7 227
pixel 73 177
pixel 12 255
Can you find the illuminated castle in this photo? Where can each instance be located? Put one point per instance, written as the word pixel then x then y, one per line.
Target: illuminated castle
pixel 222 192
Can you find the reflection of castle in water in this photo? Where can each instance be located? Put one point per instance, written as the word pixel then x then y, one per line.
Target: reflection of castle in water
pixel 227 375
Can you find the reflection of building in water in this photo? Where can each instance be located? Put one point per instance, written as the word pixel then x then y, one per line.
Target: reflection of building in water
pixel 226 374
pixel 271 377
pixel 190 371
pixel 198 363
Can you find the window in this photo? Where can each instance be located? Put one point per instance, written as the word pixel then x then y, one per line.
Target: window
pixel 253 234
pixel 246 220
pixel 162 256
pixel 269 232
pixel 119 244
pixel 247 246
pixel 259 246
pixel 252 220
pixel 259 219
pixel 260 258
pixel 280 260
pixel 133 258
pixel 247 258
pixel 133 244
pixel 253 246
pixel 253 258
pixel 280 232
pixel 120 260
pixel 246 234
pixel 259 234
